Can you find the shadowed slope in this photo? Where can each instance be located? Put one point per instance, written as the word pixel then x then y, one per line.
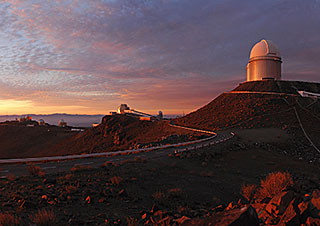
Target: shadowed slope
pixel 18 140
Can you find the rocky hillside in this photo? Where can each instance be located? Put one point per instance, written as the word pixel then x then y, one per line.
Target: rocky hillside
pixel 287 206
pixel 120 132
pixel 255 109
pixel 230 109
pixel 238 110
pixel 117 132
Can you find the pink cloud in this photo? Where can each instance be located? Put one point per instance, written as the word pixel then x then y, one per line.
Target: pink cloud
pixel 152 54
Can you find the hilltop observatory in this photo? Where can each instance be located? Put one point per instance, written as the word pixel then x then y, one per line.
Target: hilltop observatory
pixel 265 62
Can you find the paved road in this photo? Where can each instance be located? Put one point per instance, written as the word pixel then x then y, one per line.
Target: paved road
pixel 57 166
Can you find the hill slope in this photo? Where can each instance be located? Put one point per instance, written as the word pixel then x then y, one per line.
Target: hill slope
pixel 18 140
pixel 232 108
pixel 120 132
pixel 117 132
pixel 257 110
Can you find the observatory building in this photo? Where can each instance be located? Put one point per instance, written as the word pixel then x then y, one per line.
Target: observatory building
pixel 265 62
pixel 124 109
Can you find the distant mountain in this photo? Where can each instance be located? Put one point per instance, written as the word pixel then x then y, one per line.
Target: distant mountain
pixel 53 119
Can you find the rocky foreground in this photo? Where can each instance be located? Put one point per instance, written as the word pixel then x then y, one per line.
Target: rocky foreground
pixel 199 187
pixel 287 208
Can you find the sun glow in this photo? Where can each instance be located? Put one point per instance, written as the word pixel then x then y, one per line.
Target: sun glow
pixel 14 106
pixel 18 107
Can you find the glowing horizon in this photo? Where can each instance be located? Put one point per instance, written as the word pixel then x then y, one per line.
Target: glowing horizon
pixel 88 57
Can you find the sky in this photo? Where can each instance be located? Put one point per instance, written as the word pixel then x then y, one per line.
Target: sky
pixel 89 56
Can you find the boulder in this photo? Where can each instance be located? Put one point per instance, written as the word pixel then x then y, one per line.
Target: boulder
pixel 236 217
pixel 304 210
pixel 182 220
pixel 316 199
pixel 312 221
pixel 259 207
pixel 279 203
pixel 290 216
pixel 284 201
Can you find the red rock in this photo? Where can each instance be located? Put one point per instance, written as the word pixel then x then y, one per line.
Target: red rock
pixel 230 206
pixel 284 201
pixel 44 197
pixel 182 220
pixel 235 217
pixel 259 207
pixel 272 206
pixel 121 192
pixel 316 193
pixel 312 221
pixel 303 207
pixel 51 202
pixel 316 199
pixel 22 204
pixel 290 217
pixel 280 202
pixel 88 199
pixel 159 213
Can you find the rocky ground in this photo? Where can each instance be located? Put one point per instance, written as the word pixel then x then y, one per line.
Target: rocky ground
pixel 119 132
pixel 224 184
pixel 19 140
pixel 195 186
pixel 238 110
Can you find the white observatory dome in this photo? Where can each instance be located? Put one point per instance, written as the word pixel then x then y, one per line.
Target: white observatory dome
pixel 265 62
pixel 264 48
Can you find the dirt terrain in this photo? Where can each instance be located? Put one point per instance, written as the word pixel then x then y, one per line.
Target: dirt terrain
pixel 117 132
pixel 194 184
pixel 18 140
pixel 256 110
pixel 196 187
pixel 120 132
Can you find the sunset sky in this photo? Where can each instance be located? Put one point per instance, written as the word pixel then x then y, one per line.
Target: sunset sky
pixel 89 56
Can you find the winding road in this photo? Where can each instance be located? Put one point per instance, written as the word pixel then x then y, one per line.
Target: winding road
pixel 18 167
